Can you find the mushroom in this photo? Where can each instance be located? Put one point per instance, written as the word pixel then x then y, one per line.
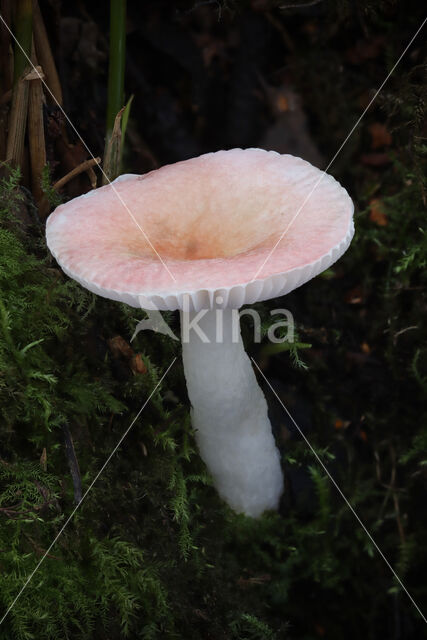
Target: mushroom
pixel 206 236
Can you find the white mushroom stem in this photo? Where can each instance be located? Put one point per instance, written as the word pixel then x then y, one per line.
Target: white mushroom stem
pixel 229 412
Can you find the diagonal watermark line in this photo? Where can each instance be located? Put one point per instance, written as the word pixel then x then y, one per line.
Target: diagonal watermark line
pixel 89 151
pixel 339 150
pixel 70 517
pixel 348 503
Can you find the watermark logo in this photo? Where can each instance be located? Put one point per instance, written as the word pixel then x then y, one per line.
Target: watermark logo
pixel 154 322
pixel 281 329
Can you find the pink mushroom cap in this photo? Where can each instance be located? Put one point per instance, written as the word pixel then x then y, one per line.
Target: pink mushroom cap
pixel 215 221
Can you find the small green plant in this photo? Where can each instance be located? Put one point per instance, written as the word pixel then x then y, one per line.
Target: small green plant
pixel 53 197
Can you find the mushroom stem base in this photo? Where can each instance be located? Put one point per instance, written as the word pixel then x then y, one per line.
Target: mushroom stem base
pixel 229 412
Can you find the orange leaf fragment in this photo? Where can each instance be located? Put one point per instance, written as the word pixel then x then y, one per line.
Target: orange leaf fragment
pixel 365 348
pixel 341 424
pixel 282 103
pixel 380 136
pixel 376 213
pixel 119 347
pixel 355 295
pixel 137 364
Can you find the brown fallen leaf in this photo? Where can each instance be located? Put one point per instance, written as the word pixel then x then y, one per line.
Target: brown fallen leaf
pixel 341 424
pixel 354 296
pixel 380 136
pixel 376 213
pixel 365 348
pixel 282 103
pixel 120 348
pixel 137 364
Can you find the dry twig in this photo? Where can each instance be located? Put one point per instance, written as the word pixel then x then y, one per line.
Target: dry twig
pixel 84 166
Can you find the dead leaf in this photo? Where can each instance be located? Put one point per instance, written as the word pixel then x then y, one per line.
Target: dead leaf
pixel 120 348
pixel 282 103
pixel 341 424
pixel 365 348
pixel 137 364
pixel 381 137
pixel 376 213
pixel 354 296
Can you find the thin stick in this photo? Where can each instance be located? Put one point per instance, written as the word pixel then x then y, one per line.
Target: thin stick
pixel 84 166
pixel 92 177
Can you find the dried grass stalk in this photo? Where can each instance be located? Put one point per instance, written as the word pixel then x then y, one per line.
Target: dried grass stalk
pixel 36 136
pixel 18 122
pixel 23 27
pixel 44 54
pixel 113 154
